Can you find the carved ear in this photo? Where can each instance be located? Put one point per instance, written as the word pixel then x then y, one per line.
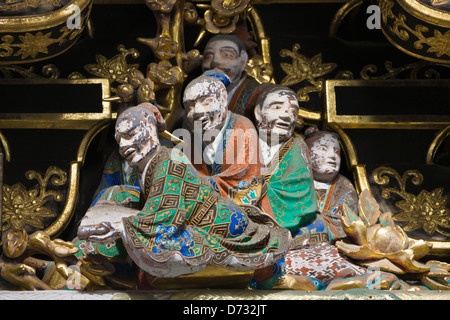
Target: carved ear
pixel 257 112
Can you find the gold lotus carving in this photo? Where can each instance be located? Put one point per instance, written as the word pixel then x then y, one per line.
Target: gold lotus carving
pixel 23 207
pixel 378 242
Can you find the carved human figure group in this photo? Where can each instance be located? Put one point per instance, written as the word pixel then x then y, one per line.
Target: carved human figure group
pixel 250 195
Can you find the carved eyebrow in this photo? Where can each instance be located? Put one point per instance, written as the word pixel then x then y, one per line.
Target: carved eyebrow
pixel 231 48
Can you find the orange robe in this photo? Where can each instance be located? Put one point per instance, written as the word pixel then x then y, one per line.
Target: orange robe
pixel 236 170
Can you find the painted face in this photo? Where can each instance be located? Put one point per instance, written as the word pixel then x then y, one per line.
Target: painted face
pixel 137 138
pixel 206 101
pixel 226 56
pixel 279 114
pixel 325 158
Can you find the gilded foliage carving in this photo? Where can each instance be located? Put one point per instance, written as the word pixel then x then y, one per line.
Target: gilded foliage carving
pixel 427 211
pixel 305 69
pixel 23 207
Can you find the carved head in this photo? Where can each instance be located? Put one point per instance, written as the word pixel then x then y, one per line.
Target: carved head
pixel 276 112
pixel 205 100
pixel 325 153
pixel 137 133
pixel 226 53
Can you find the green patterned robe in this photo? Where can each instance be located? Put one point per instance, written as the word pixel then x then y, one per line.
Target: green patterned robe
pixel 184 224
pixel 289 194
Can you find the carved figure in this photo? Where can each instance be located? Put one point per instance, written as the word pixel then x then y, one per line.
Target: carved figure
pixel 225 145
pixel 228 54
pixel 332 188
pixel 289 193
pixel 182 224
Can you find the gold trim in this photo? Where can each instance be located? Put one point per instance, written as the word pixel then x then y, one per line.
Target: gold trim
pixel 58 226
pixel 383 121
pixel 76 121
pixel 413 54
pixel 426 13
pixel 341 14
pixel 37 22
pixel 88 137
pixel 260 35
pixel 310 117
pixel 435 144
pixel 6 148
pixel 347 145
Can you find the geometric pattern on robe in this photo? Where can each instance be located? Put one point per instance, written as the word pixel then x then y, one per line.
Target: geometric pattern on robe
pixel 237 163
pixel 186 225
pixel 290 195
pixel 330 203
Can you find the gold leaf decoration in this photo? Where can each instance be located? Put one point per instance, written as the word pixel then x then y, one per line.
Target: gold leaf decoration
pixel 304 69
pixel 23 207
pixel 115 69
pixel 437 44
pixel 427 211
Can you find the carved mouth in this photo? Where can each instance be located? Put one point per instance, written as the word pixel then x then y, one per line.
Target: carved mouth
pixel 283 125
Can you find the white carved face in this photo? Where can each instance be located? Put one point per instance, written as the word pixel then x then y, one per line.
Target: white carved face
pixel 278 115
pixel 137 137
pixel 226 56
pixel 325 155
pixel 205 100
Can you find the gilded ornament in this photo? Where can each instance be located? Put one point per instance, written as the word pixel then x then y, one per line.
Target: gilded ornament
pixel 164 74
pixel 163 46
pixel 378 242
pixel 397 24
pixel 190 13
pixel 258 70
pixel 160 5
pixel 115 69
pixel 13 5
pixel 23 207
pixel 393 72
pixel 40 36
pixel 216 23
pixel 32 45
pixel 304 69
pixel 229 7
pixel 427 211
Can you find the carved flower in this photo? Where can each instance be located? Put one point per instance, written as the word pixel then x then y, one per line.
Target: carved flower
pixel 378 241
pixel 163 73
pixel 229 7
pixel 116 68
pixel 216 23
pixel 24 207
pixel 32 45
pixel 428 211
pixel 303 68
